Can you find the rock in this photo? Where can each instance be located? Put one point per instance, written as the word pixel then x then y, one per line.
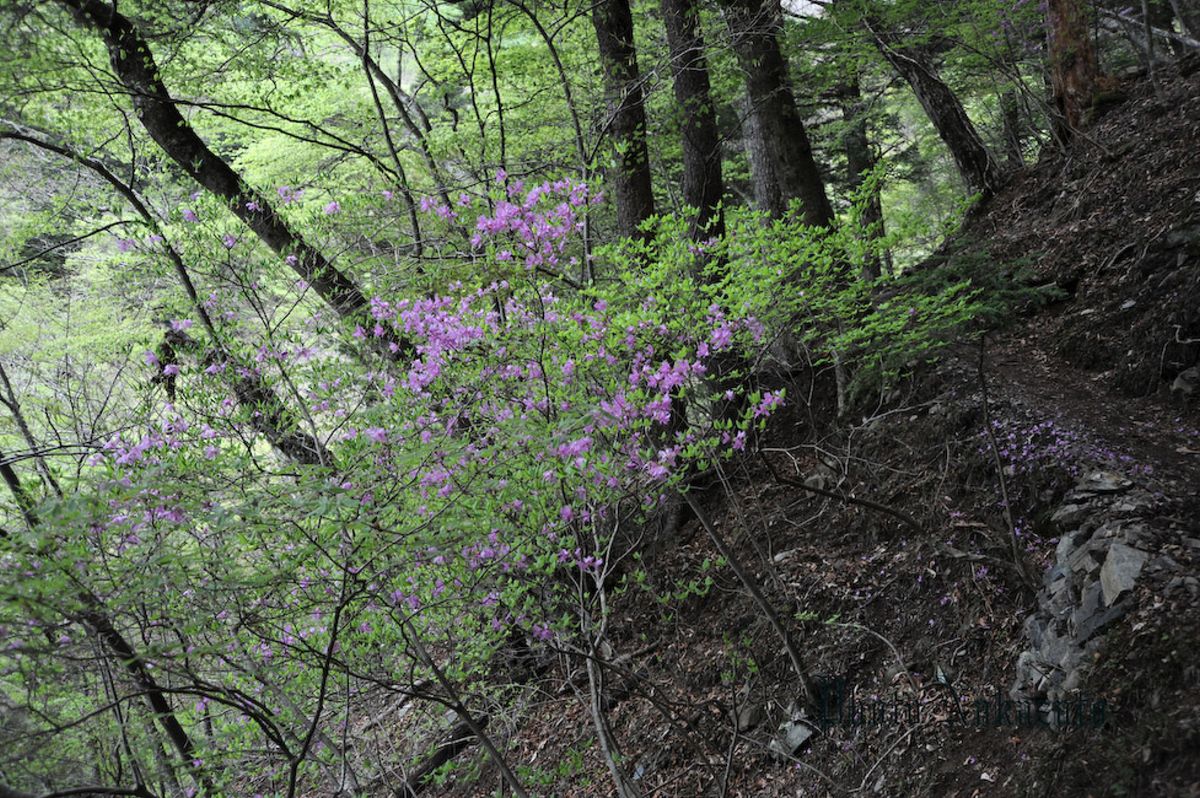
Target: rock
pixel 816 481
pixel 1053 648
pixel 1071 683
pixel 1164 563
pixel 1034 631
pixel 1086 557
pixel 1067 543
pixel 749 717
pixel 1090 618
pixel 1052 576
pixel 1187 382
pixel 1102 482
pixel 792 735
pixel 1069 515
pixel 1089 603
pixel 1120 571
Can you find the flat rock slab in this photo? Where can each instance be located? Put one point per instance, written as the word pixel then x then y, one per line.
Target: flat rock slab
pixel 1120 571
pixel 792 735
pixel 1102 482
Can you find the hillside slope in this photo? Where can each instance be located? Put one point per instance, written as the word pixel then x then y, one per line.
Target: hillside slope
pixel 944 664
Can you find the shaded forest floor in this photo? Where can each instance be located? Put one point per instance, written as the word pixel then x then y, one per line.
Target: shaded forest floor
pixel 1078 385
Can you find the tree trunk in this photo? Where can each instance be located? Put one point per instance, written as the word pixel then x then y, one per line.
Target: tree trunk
pixel 1073 69
pixel 915 64
pixel 1010 112
pixel 134 66
pixel 703 184
pixel 776 139
pixel 630 174
pixel 1188 12
pixel 269 414
pixel 859 162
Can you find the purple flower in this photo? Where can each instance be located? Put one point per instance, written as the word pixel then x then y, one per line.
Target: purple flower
pixel 332 208
pixel 170 370
pixel 189 215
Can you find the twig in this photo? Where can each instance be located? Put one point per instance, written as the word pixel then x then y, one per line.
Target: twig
pixel 1018 560
pixel 847 499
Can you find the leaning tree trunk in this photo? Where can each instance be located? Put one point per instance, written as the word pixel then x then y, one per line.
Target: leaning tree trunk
pixel 859 162
pixel 1073 69
pixel 914 63
pixel 630 173
pixel 703 184
pixel 1010 112
pixel 1188 12
pixel 777 141
pixel 135 67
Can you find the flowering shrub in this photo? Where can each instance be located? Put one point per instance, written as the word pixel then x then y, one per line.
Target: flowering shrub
pixel 458 500
pixel 468 494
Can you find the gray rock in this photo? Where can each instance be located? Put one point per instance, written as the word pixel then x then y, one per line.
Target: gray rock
pixel 1164 563
pixel 1120 571
pixel 1188 382
pixel 792 735
pixel 1068 543
pixel 1053 575
pixel 1090 626
pixel 1070 515
pixel 1054 648
pixel 816 481
pixel 1089 604
pixel 1086 558
pixel 1035 630
pixel 750 716
pixel 1099 482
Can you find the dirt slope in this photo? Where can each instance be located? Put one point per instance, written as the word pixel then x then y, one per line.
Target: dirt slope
pixel 933 622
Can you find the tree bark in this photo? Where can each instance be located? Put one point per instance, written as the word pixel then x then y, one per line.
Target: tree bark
pixel 1010 111
pixel 630 175
pixel 135 67
pixel 269 415
pixel 1073 69
pixel 859 162
pixel 776 139
pixel 1188 12
pixel 914 63
pixel 703 182
pixel 92 615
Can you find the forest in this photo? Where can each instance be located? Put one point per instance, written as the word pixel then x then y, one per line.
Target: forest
pixel 698 398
